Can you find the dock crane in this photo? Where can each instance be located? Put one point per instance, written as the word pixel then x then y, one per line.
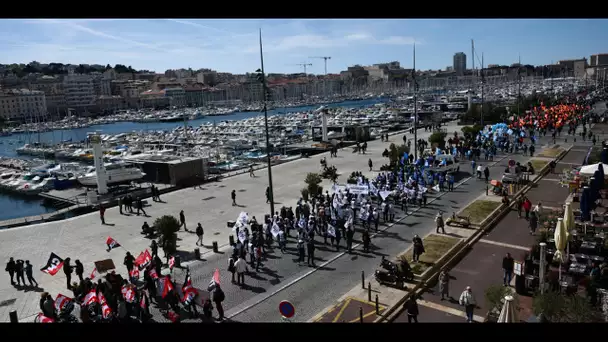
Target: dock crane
pixel 325 58
pixel 304 65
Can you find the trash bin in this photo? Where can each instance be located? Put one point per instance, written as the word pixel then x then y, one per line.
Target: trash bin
pixel 197 253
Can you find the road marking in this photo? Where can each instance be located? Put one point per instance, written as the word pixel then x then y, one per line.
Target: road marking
pixel 467 272
pixel 356 320
pixel 354 247
pixel 449 310
pixel 344 306
pixel 507 245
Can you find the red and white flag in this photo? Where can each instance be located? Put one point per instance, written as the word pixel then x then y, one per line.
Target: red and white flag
pixel 188 290
pixel 166 285
pixel 111 243
pixel 134 273
pixel 62 302
pixel 43 319
pixel 53 266
pixel 144 259
pixel 91 298
pixel 171 263
pixel 153 274
pixel 127 293
pixel 143 303
pixel 93 273
pixel 106 311
pixel 215 281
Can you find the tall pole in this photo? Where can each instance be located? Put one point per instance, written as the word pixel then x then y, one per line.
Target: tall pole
pixel 271 193
pixel 473 59
pixel 482 82
pixel 415 108
pixel 518 84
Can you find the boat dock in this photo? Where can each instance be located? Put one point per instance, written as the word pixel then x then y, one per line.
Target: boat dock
pixel 52 216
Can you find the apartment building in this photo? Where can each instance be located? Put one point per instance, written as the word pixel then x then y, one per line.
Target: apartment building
pixel 79 92
pixel 110 103
pixel 460 63
pixel 22 105
pixel 154 99
pixel 194 95
pixel 599 60
pixel 177 96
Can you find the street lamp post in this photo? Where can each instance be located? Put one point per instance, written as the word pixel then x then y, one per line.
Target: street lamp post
pixel 262 79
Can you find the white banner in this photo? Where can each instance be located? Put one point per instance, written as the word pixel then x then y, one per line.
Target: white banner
pixel 242 236
pixel 275 230
pixel 436 188
pixel 331 230
pixel 384 194
pixel 358 189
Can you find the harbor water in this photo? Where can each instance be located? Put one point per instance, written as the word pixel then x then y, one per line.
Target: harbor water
pixel 18 206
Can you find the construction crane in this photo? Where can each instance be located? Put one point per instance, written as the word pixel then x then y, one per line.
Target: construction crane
pixel 325 60
pixel 304 65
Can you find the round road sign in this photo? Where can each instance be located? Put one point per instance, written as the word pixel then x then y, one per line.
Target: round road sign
pixel 511 163
pixel 287 309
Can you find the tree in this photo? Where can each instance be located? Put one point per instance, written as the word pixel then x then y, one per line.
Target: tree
pixel 559 308
pixel 312 183
pixel 438 139
pixel 396 152
pixel 167 226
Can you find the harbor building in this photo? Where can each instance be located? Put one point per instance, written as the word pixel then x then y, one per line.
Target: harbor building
pixel 574 67
pixel 177 96
pixel 154 99
pixel 79 92
pixel 22 105
pixel 460 63
pixel 601 60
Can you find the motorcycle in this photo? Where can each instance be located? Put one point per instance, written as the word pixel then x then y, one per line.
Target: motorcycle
pixel 394 274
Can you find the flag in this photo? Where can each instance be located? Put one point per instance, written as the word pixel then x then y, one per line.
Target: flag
pixel 134 273
pixel 153 274
pixel 436 188
pixel 143 260
pixel 91 298
pixel 215 281
pixel 173 316
pixel 93 273
pixel 171 263
pixel 106 311
pixel 63 303
pixel 242 236
pixel 166 285
pixel 188 290
pixel 53 266
pixel 331 230
pixel 43 319
pixel 111 243
pixel 275 230
pixel 127 293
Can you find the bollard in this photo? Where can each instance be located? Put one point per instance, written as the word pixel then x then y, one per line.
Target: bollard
pixel 362 279
pixel 487 188
pixel 369 292
pixel 361 314
pixel 377 306
pixel 215 248
pixel 197 253
pixel 231 240
pixel 13 316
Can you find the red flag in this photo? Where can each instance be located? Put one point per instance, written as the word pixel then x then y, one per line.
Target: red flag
pixel 134 273
pixel 53 266
pixel 153 274
pixel 127 293
pixel 43 319
pixel 143 303
pixel 215 281
pixel 188 290
pixel 62 302
pixel 166 285
pixel 143 260
pixel 93 273
pixel 171 263
pixel 111 243
pixel 91 298
pixel 106 311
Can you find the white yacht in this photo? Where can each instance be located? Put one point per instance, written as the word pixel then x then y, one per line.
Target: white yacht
pixel 117 173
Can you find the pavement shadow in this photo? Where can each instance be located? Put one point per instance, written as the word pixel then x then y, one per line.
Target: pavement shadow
pixel 393 235
pixel 109 224
pixel 256 276
pixel 325 268
pixel 254 289
pixel 36 288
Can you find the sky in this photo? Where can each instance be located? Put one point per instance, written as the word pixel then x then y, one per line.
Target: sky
pixel 233 45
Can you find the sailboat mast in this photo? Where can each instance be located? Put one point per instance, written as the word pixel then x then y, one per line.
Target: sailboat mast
pixel 482 82
pixel 415 107
pixel 518 84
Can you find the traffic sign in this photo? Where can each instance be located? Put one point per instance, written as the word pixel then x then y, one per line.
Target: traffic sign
pixel 512 163
pixel 287 309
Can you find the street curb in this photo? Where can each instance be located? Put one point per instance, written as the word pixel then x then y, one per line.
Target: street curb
pixel 394 311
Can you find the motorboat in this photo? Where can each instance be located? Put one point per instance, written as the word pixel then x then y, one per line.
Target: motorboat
pixel 117 173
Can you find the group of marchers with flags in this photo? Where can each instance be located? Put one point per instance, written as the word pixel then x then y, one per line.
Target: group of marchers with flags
pixel 108 297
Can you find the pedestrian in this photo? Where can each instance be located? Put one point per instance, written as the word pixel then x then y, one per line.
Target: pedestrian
pixel 233 196
pixel 267 194
pixel 207 309
pixel 527 206
pixel 120 205
pixel 538 209
pixel 199 233
pixel 251 174
pixel 241 267
pixel 350 233
pixel 533 223
pixel 154 248
pixel 450 182
pixel 129 262
pixel 102 212
pixel 67 270
pixel 411 307
pixel 218 298
pixel 48 305
pixel 439 223
pixel 310 246
pixel 19 270
pixel 507 266
pixel 370 164
pixel 29 273
pixel 486 173
pixel 182 220
pixel 418 248
pixel 10 268
pixel 140 206
pixel 444 284
pixel 79 268
pixel 231 267
pixel 301 251
pixel 366 240
pixel 468 301
pixel 519 204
